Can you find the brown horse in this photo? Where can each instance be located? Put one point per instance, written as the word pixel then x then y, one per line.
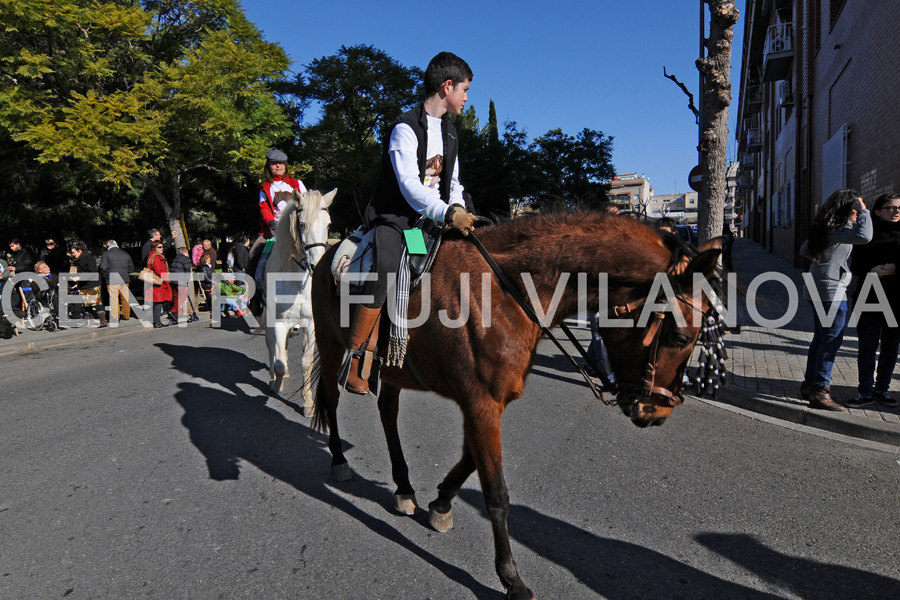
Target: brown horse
pixel 483 367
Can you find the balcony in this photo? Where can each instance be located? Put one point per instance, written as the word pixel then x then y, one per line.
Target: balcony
pixel 778 53
pixel 748 160
pixel 753 95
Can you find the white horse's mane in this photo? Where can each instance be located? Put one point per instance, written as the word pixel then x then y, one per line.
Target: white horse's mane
pixel 288 238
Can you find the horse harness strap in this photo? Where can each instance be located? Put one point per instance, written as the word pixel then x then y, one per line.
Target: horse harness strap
pixel 529 312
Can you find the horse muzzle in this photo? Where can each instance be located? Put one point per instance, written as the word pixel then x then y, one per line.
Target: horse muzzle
pixel 644 411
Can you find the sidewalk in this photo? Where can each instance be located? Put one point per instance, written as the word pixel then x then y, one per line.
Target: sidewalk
pixel 766 365
pixel 29 340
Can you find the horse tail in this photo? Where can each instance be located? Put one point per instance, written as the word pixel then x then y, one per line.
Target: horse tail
pixel 320 420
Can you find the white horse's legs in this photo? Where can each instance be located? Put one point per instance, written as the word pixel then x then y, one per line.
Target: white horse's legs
pixel 276 341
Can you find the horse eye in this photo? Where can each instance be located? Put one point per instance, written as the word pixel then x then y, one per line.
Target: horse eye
pixel 680 339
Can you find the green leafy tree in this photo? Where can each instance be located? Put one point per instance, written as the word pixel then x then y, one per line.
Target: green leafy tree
pixel 165 96
pixel 360 92
pixel 574 171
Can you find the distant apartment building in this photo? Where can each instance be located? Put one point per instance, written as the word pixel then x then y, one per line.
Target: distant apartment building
pixel 630 193
pixel 819 89
pixel 680 207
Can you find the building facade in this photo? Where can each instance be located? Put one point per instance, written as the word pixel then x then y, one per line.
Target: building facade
pixel 631 194
pixel 818 111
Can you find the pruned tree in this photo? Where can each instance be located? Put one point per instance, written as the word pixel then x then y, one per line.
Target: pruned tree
pixel 716 70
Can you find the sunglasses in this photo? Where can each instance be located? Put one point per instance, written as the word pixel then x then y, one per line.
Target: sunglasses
pixel 890 208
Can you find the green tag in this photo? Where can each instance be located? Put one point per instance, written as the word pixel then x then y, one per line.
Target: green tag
pixel 269 244
pixel 415 241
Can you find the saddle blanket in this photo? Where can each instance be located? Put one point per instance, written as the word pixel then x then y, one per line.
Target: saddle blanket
pixel 354 257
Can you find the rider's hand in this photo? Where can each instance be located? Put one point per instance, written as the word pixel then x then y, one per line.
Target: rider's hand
pixel 457 218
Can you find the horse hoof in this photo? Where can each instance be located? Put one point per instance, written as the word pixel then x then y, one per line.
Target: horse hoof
pixel 440 521
pixel 342 472
pixel 405 503
pixel 275 386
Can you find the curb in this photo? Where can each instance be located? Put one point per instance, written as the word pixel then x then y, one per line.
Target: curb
pixel 14 346
pixel 859 423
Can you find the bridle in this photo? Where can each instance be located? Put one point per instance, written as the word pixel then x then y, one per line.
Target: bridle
pixel 306 262
pixel 648 388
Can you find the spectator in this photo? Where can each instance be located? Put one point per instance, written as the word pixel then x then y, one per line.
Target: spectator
pixel 51 296
pixel 116 267
pixel 55 256
pixel 240 253
pixel 840 224
pixel 880 256
pixel 22 260
pixel 161 293
pixel 180 264
pixel 206 275
pixel 155 236
pixel 209 251
pixel 88 289
pixel 666 224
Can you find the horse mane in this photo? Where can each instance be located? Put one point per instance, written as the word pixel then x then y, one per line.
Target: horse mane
pixel 640 251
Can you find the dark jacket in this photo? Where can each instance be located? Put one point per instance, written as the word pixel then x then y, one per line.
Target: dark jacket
pixel 56 260
pixel 388 201
pixel 181 264
pixel 147 248
pixel 23 260
pixel 883 249
pixel 241 256
pixel 115 260
pixel 86 264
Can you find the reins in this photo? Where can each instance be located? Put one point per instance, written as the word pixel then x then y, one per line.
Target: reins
pixel 607 384
pixel 646 388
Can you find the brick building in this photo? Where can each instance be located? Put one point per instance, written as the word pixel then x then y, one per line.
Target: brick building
pixel 818 111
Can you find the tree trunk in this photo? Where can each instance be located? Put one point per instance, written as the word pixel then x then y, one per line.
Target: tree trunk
pixel 716 71
pixel 171 210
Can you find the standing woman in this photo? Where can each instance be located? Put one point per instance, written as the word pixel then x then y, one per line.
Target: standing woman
pixel 88 289
pixel 880 256
pixel 841 223
pixel 159 294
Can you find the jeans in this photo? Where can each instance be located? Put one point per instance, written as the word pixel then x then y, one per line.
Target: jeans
pixel 873 329
pixel 824 346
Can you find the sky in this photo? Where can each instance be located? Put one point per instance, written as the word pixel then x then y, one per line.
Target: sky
pixel 565 64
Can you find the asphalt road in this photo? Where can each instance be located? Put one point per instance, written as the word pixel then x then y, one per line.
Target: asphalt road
pixel 155 465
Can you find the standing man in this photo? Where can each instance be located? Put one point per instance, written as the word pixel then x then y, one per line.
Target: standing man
pixel 419 177
pixel 54 256
pixel 147 248
pixel 209 251
pixel 115 268
pixel 240 253
pixel 22 260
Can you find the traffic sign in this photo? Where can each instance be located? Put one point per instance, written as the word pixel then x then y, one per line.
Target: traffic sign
pixel 695 179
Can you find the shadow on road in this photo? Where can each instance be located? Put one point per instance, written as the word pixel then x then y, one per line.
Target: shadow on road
pixel 613 569
pixel 229 427
pixel 805 578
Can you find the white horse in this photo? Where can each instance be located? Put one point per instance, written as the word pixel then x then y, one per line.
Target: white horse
pixel 300 241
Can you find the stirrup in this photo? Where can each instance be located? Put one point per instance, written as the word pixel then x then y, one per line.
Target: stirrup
pixel 374 376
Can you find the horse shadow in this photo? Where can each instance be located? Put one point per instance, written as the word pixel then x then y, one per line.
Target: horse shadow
pixel 819 579
pixel 611 568
pixel 229 427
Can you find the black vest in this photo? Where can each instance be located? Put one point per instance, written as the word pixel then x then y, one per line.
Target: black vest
pixel 388 202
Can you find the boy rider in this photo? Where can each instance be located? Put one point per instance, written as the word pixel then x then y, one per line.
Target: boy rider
pixel 419 176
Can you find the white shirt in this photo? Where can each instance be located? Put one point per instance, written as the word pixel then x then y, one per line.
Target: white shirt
pixel 424 198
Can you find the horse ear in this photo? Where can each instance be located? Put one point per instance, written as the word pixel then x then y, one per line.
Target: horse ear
pixel 705 262
pixel 328 198
pixel 715 243
pixel 296 195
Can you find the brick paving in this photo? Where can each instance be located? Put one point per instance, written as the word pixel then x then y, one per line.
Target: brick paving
pixel 766 365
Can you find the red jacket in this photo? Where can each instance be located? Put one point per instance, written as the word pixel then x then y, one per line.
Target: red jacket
pixel 267 206
pixel 163 292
